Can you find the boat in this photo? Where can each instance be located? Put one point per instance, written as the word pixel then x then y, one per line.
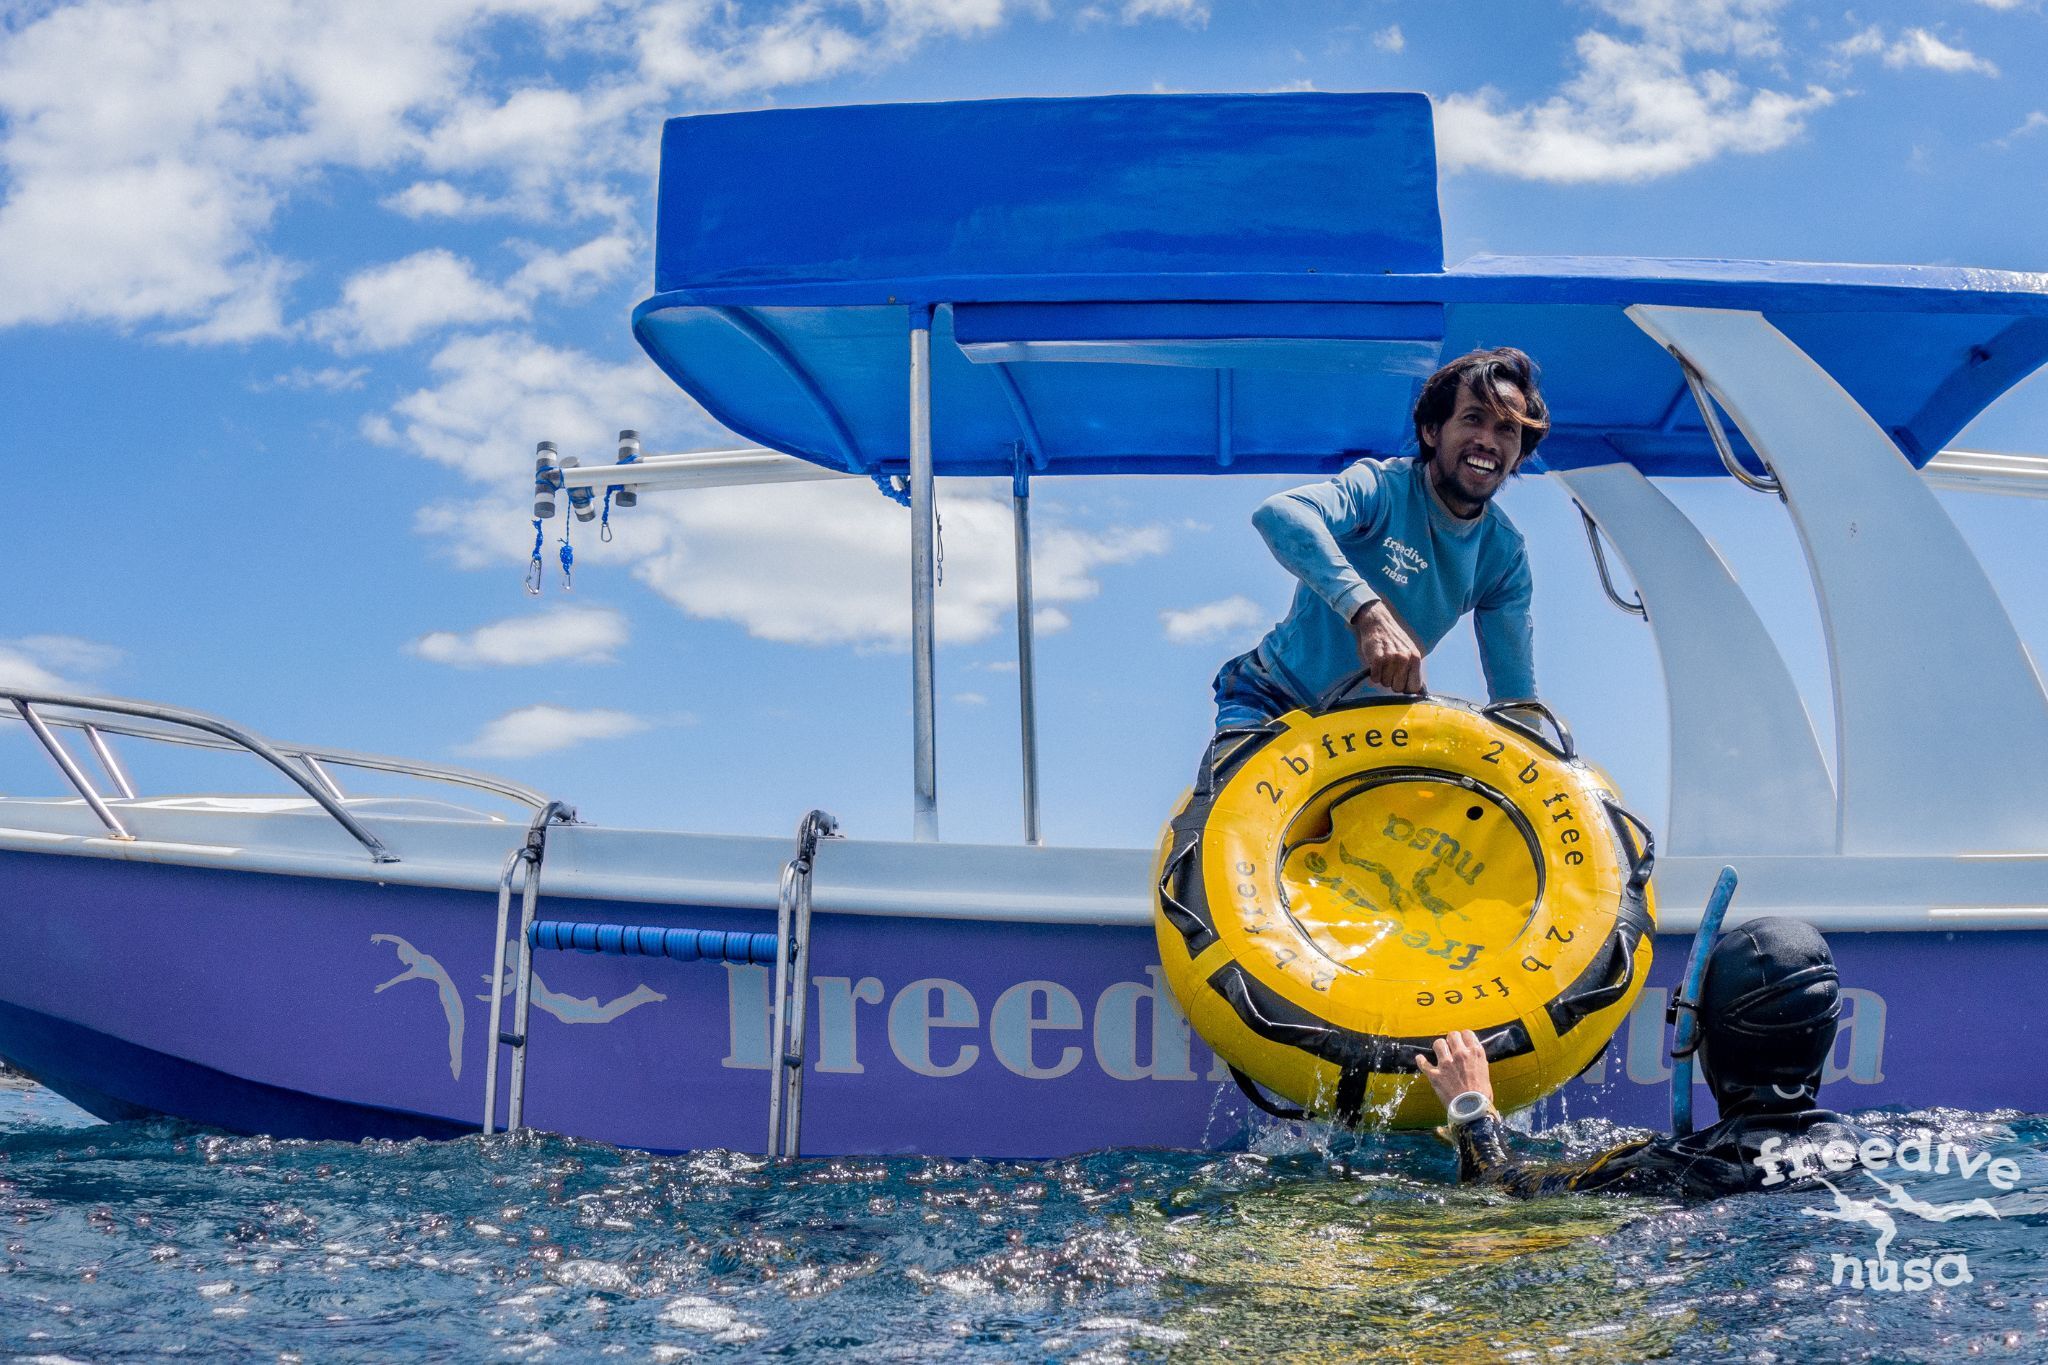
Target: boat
pixel 1073 287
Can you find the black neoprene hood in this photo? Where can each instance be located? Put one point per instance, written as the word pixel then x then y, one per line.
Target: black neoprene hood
pixel 1768 1011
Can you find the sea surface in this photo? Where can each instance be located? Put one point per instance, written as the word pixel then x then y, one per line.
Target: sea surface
pixel 148 1241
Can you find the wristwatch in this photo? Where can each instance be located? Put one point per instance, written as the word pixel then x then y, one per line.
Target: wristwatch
pixel 1469 1107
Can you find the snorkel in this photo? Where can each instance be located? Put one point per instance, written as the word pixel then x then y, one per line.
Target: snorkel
pixel 1685 1009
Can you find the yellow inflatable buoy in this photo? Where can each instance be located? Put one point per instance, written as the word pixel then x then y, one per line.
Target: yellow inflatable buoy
pixel 1341 889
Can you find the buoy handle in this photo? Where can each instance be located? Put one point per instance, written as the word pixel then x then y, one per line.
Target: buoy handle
pixel 1345 688
pixel 1500 713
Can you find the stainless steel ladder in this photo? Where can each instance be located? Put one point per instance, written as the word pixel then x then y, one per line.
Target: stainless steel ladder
pixel 789 947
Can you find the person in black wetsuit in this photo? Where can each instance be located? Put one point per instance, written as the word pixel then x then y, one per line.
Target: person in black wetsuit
pixel 1768 1010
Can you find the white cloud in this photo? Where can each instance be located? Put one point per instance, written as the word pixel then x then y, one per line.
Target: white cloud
pixel 45 663
pixel 576 271
pixel 815 563
pixel 1231 616
pixel 299 379
pixel 545 729
pixel 713 50
pixel 1390 39
pixel 502 391
pixel 1918 47
pixel 2031 124
pixel 1744 27
pixel 146 150
pixel 399 302
pixel 1190 12
pixel 970 699
pixel 147 147
pixel 553 635
pixel 829 563
pixel 439 199
pixel 1633 111
pixel 17 669
pixel 1867 42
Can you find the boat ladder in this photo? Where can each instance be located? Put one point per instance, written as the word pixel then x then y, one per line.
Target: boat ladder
pixel 789 948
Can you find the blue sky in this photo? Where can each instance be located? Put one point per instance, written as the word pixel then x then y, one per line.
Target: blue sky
pixel 288 291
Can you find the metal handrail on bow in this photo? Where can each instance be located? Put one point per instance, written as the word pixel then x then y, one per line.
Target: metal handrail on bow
pixel 27 700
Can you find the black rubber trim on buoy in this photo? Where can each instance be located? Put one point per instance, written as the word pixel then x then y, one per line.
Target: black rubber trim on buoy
pixel 1612 970
pixel 1262 1100
pixel 1183 898
pixel 1358 1056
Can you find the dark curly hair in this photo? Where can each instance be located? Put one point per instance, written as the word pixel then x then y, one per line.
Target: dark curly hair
pixel 1491 374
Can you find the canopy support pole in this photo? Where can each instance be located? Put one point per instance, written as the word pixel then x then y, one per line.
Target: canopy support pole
pixel 924 719
pixel 1027 704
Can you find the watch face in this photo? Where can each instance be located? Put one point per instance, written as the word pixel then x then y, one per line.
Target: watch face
pixel 1467 1106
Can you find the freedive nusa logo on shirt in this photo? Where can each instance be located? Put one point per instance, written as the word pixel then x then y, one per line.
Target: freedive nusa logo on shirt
pixel 1401 561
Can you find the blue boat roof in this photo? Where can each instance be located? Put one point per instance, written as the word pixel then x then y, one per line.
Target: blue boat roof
pixel 1195 284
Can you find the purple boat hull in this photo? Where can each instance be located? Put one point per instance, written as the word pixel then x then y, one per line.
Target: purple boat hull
pixel 321 1008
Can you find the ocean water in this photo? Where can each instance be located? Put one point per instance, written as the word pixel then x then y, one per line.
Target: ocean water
pixel 148 1241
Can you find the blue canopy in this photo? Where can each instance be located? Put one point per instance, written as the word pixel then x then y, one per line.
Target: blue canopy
pixel 1194 284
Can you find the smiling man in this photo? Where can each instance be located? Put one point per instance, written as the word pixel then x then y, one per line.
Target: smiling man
pixel 1391 553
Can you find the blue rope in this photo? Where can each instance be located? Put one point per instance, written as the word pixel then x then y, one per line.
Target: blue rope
pixel 536 568
pixel 604 525
pixel 887 483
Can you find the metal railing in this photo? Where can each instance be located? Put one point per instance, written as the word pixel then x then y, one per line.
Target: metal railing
pixel 1634 608
pixel 304 766
pixel 1767 482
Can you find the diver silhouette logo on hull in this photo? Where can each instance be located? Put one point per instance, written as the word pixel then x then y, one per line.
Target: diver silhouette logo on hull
pixel 569 1009
pixel 420 967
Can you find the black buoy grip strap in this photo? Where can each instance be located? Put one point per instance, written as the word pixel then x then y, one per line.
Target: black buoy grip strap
pixel 1642 850
pixel 1350 684
pixel 1502 713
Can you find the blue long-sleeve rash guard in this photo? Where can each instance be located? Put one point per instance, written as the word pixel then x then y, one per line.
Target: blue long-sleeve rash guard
pixel 1379 530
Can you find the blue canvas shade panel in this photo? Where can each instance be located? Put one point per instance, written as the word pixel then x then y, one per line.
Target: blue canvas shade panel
pixel 1194 284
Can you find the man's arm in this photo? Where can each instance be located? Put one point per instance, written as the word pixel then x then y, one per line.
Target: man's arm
pixel 1301 527
pixel 1507 638
pixel 1463 1081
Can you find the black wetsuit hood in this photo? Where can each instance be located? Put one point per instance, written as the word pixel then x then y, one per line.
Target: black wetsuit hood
pixel 1768 1012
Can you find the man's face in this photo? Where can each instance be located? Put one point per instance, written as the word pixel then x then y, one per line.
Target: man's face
pixel 1477 448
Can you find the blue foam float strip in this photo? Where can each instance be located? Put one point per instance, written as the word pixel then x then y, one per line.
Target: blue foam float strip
pixel 647 940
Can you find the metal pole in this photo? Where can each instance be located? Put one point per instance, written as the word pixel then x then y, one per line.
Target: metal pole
pixel 72 772
pixel 109 762
pixel 1027 704
pixel 925 798
pixel 498 990
pixel 322 776
pixel 792 1059
pixel 778 1035
pixel 522 1002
